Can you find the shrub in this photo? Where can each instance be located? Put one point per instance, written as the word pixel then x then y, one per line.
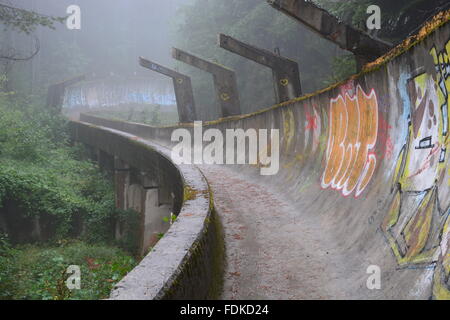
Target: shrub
pixel 39 272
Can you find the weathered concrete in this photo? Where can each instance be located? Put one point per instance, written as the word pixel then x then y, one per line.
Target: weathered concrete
pixel 365 165
pixel 286 75
pixel 224 82
pixel 187 262
pixel 183 90
pixel 365 47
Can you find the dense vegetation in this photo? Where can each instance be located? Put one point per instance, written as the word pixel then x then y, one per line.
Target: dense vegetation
pixel 43 177
pixel 38 272
pixel 399 18
pixel 48 184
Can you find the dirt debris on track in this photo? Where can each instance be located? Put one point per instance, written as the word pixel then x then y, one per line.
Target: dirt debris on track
pixel 272 251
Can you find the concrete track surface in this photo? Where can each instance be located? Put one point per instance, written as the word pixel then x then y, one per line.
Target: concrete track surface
pixel 272 252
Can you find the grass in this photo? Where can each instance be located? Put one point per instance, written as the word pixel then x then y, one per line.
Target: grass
pixel 38 272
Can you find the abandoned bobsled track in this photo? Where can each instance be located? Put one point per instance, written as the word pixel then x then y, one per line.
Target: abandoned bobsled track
pixel 364 180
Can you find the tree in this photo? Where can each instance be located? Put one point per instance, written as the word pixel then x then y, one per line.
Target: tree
pixel 26 22
pixel 17 20
pixel 400 18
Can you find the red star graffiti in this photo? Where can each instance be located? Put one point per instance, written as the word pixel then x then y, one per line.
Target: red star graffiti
pixel 311 121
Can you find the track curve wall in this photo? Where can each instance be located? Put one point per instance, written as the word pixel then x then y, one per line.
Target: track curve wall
pixel 369 160
pixel 187 262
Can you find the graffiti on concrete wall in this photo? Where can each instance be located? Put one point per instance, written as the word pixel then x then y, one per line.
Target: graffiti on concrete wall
pixel 106 94
pixel 353 131
pixel 385 143
pixel 417 223
pixel 288 129
pixel 313 127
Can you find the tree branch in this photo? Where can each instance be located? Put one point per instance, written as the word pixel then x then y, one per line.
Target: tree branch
pixel 14 58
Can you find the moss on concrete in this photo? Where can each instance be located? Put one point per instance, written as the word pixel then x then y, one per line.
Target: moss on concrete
pixel 189 193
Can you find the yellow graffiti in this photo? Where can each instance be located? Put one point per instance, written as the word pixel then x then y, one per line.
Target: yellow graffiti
pixel 350 161
pixel 225 96
pixel 284 82
pixel 288 128
pixel 417 224
pixel 441 290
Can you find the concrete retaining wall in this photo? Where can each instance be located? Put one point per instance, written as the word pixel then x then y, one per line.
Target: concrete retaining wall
pixel 187 262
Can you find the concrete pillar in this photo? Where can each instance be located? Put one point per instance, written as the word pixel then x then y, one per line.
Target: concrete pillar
pixel 365 47
pixel 155 215
pixel 135 200
pixel 224 82
pixel 156 219
pixel 183 90
pixel 286 73
pixel 121 184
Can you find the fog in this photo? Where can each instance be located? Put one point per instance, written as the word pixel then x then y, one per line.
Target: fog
pixel 113 34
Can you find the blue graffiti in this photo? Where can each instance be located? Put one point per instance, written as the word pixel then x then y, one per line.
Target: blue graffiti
pixel 402 86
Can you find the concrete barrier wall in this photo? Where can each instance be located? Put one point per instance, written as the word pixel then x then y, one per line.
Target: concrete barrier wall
pixel 369 158
pixel 187 262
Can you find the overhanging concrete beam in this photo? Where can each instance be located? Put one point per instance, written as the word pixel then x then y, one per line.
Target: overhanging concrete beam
pixel 224 81
pixel 286 73
pixel 362 45
pixel 182 87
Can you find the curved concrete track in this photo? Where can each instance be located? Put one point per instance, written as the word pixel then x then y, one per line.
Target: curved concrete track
pixel 363 184
pixel 272 251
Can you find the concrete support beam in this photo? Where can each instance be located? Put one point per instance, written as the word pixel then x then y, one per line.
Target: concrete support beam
pixel 135 200
pixel 121 182
pixel 157 219
pixel 286 73
pixel 139 191
pixel 182 87
pixel 224 81
pixel 362 45
pixel 55 92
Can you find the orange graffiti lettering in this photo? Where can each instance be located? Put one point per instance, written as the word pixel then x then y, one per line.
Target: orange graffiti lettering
pixel 350 157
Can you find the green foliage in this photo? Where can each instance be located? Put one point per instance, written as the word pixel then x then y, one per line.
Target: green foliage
pixel 45 177
pixel 342 68
pixel 26 21
pixel 40 173
pixel 398 18
pixel 170 219
pixel 130 221
pixel 39 272
pixel 351 11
